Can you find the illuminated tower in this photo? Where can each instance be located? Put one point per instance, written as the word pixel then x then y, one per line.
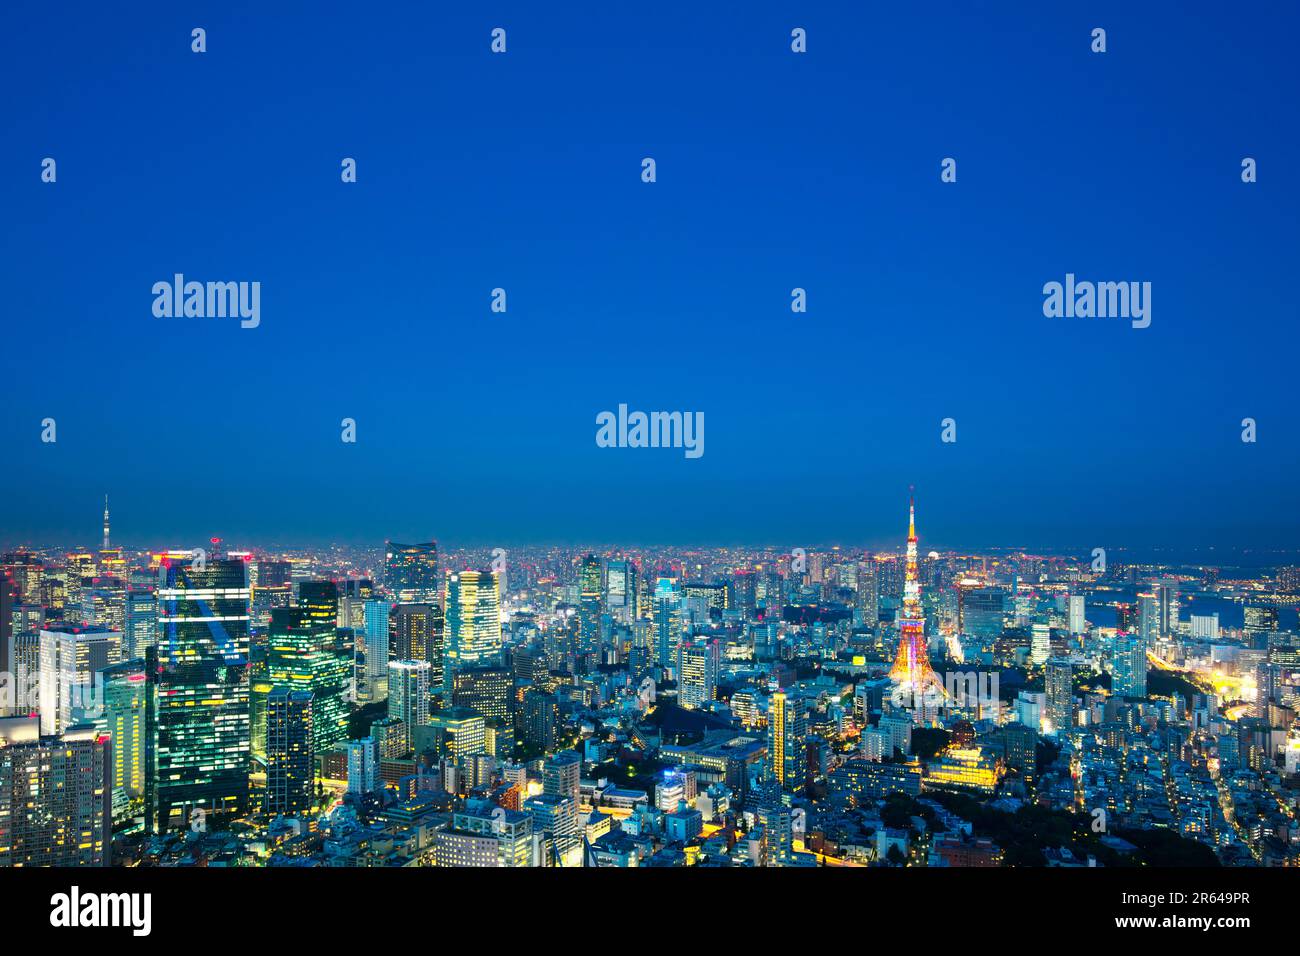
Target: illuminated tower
pixel 911 671
pixel 105 522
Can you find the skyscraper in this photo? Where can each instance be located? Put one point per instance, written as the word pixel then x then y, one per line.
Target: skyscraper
pixel 473 623
pixel 376 618
pixel 126 718
pixel 363 766
pixel 621 597
pixel 408 695
pixel 72 659
pixel 1077 624
pixel 590 592
pixel 667 621
pixel 199 727
pixel 697 673
pixel 140 624
pixel 289 750
pixel 787 730
pixel 867 597
pixel 1148 618
pixel 301 654
pixel 417 632
pixel 55 794
pixel 1129 666
pixel 1059 684
pixel 412 572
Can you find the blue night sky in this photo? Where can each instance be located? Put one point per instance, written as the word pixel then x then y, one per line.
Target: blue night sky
pixel 775 170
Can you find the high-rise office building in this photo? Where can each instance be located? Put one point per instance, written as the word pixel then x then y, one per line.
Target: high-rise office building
pixel 667 621
pixel 867 596
pixel 412 572
pixel 456 732
pixel 590 593
pixel 377 624
pixel 744 592
pixel 363 766
pixel 1077 612
pixel 697 673
pixel 1167 596
pixel 73 657
pixel 484 690
pixel 140 626
pixel 473 623
pixel 1148 618
pixel 55 795
pixel 540 719
pixel 126 719
pixel 1129 666
pixel 198 748
pixel 1040 646
pixel 1059 685
pixel 1260 619
pixel 787 731
pixel 621 595
pixel 289 750
pixel 984 612
pixel 417 632
pixel 562 776
pixel 301 654
pixel 408 695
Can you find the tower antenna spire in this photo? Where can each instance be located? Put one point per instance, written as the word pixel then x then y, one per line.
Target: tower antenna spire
pixel 912 671
pixel 105 522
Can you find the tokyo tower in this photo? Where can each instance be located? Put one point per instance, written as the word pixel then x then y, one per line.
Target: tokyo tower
pixel 912 673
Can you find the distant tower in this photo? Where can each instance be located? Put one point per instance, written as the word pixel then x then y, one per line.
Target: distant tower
pixel 912 671
pixel 105 522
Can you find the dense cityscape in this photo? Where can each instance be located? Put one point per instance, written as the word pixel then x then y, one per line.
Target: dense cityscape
pixel 229 705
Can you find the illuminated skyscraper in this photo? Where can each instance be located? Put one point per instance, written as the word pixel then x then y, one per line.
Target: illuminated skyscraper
pixel 126 718
pixel 1077 623
pixel 1059 684
pixel 198 753
pixel 590 591
pixel 697 673
pixel 55 794
pixel 1260 619
pixel 473 623
pixel 621 597
pixel 140 624
pixel 408 695
pixel 1040 646
pixel 1148 618
pixel 744 592
pixel 416 632
pixel 667 621
pixel 301 654
pixel 787 755
pixel 412 572
pixel 867 595
pixel 376 617
pixel 1129 666
pixel 289 751
pixel 72 687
